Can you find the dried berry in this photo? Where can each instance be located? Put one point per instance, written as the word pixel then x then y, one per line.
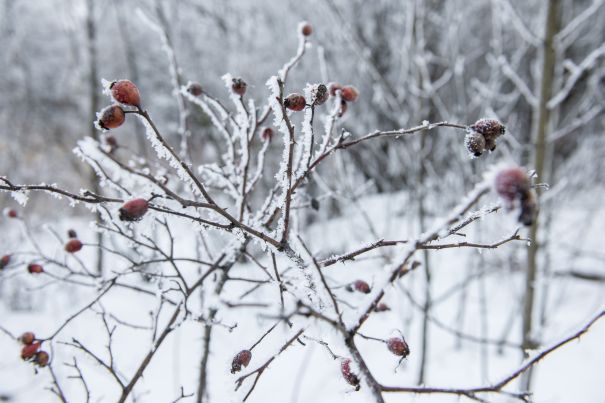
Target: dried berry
pixel 511 184
pixel 382 307
pixel 111 117
pixel 35 268
pixel 241 358
pixel 361 286
pixel 10 213
pixel 73 246
pixel 125 92
pixel 489 128
pixel 320 94
pixel 4 261
pixel 266 134
pixel 239 86
pixel 333 87
pixel 29 350
pixel 133 210
pixel 194 89
pixel 72 234
pixel 27 338
pixel 41 359
pixel 349 93
pixel 475 143
pixel 350 377
pixel 295 102
pixel 305 28
pixel 398 346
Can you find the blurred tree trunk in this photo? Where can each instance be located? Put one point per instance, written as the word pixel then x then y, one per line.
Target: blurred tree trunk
pixel 94 107
pixel 540 130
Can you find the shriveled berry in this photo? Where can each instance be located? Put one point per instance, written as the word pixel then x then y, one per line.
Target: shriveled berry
pixel 241 358
pixel 295 102
pixel 349 93
pixel 475 143
pixel 347 374
pixel 35 268
pixel 125 92
pixel 266 134
pixel 333 87
pixel 29 350
pixel 239 86
pixel 489 128
pixel 320 94
pixel 194 89
pixel 4 261
pixel 362 286
pixel 382 307
pixel 133 210
pixel 27 338
pixel 41 359
pixel 398 346
pixel 305 28
pixel 73 246
pixel 111 117
pixel 71 233
pixel 511 184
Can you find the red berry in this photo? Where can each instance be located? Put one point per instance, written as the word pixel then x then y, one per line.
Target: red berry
pixel 333 87
pixel 35 268
pixel 305 28
pixel 194 89
pixel 27 338
pixel 241 358
pixel 320 94
pixel 125 92
pixel 511 184
pixel 72 233
pixel 4 261
pixel 41 359
pixel 11 213
pixel 345 370
pixel 295 102
pixel 29 350
pixel 398 346
pixel 266 134
pixel 111 117
pixel 73 245
pixel 349 93
pixel 382 307
pixel 362 286
pixel 133 210
pixel 239 86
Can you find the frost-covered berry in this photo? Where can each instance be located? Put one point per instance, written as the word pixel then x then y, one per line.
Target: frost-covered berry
pixel 194 89
pixel 295 102
pixel 333 87
pixel 73 246
pixel 11 213
pixel 35 268
pixel 305 28
pixel 4 261
pixel 241 358
pixel 266 134
pixel 489 128
pixel 347 374
pixel 361 286
pixel 111 117
pixel 320 94
pixel 125 92
pixel 41 359
pixel 27 338
pixel 133 210
pixel 29 350
pixel 349 93
pixel 511 184
pixel 239 86
pixel 343 108
pixel 382 307
pixel 475 143
pixel 398 346
pixel 490 144
pixel 71 233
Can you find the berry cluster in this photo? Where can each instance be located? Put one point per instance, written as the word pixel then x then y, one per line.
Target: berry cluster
pixel 31 350
pixel 482 136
